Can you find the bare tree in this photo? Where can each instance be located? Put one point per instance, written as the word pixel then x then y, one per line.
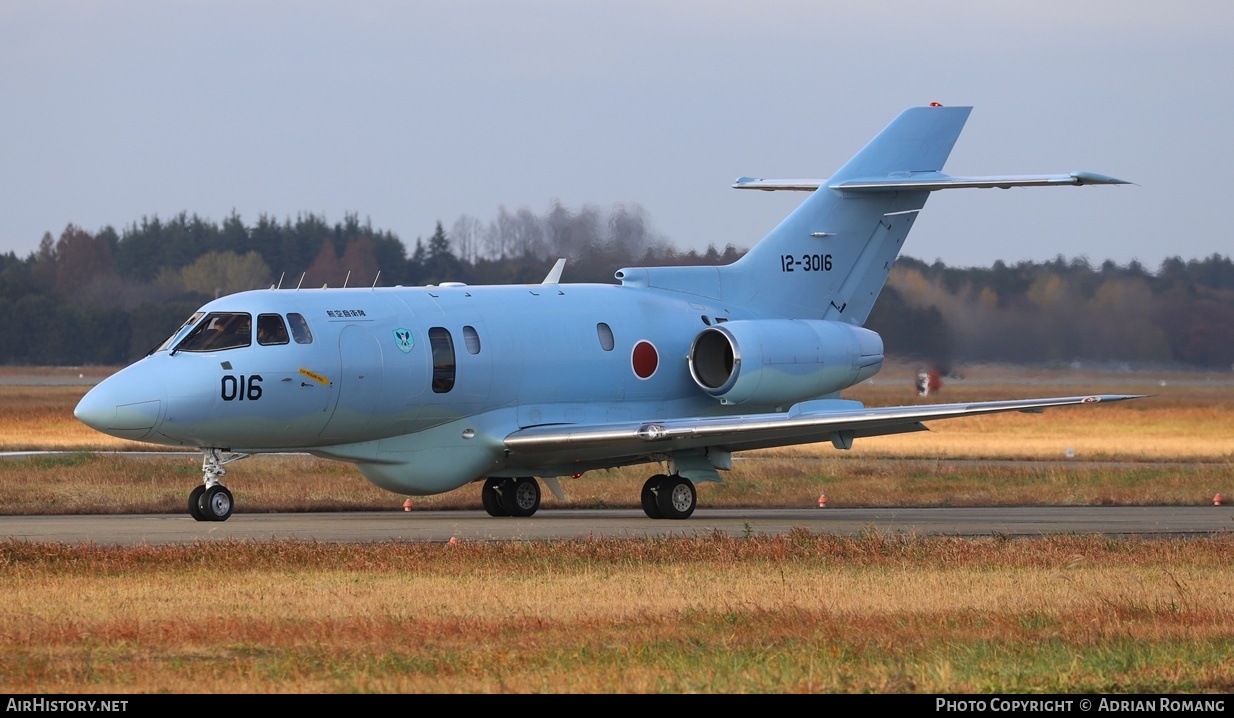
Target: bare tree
pixel 465 237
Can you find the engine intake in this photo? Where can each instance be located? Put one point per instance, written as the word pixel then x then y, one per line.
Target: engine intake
pixel 779 362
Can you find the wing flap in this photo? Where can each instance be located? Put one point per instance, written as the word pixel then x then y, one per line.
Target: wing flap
pixel 759 431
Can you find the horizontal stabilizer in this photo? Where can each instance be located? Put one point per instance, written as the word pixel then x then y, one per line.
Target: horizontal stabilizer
pixel 771 185
pixel 927 181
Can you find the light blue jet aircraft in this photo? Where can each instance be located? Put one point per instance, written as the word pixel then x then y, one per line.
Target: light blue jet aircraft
pixel 427 389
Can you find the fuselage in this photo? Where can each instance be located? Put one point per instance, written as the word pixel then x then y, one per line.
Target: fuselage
pixel 390 361
pixel 383 377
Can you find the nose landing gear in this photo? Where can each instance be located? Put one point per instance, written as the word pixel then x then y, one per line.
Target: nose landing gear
pixel 212 501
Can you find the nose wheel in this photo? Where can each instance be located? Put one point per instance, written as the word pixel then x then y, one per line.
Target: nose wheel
pixel 216 503
pixel 211 501
pixel 195 503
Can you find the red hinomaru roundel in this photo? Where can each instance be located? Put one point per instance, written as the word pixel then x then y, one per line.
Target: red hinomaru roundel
pixel 645 359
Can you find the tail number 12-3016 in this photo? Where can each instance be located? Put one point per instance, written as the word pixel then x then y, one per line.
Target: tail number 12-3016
pixel 806 263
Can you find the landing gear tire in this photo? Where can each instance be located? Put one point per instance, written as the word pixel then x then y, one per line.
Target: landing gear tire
pixel 650 490
pixel 676 498
pixel 521 497
pixel 212 501
pixel 195 503
pixel 216 503
pixel 490 496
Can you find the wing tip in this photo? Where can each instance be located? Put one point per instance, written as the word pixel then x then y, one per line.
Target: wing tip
pixel 1083 178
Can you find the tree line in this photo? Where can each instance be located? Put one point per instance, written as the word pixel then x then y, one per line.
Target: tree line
pixel 109 296
pixel 1062 310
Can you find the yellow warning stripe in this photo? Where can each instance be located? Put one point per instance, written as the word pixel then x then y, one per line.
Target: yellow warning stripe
pixel 315 376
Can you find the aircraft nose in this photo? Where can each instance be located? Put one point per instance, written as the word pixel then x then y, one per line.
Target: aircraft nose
pixel 121 407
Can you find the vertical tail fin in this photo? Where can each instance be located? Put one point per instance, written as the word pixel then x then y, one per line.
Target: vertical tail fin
pixel 831 256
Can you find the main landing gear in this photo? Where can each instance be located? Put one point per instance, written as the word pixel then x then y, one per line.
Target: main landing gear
pixel 212 501
pixel 669 497
pixel 663 497
pixel 511 497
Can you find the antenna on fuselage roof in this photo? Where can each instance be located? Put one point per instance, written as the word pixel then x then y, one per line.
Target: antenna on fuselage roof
pixel 376 278
pixel 280 284
pixel 347 279
pixel 301 280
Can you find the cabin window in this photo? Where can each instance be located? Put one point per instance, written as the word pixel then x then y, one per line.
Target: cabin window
pixel 299 329
pixel 171 340
pixel 471 339
pixel 271 330
pixel 442 345
pixel 219 330
pixel 605 333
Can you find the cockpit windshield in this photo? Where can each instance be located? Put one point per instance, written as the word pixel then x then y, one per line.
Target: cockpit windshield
pixel 179 333
pixel 219 330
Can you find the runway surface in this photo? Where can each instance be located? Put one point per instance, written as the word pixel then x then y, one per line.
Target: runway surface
pixel 433 526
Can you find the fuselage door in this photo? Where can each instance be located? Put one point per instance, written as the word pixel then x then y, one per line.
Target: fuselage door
pixel 295 375
pixel 359 384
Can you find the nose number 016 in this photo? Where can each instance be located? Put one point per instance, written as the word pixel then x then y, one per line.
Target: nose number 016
pixel 241 387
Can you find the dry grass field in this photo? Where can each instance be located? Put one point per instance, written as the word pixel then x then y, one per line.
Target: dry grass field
pixel 800 613
pixel 82 483
pixel 1184 417
pixel 796 613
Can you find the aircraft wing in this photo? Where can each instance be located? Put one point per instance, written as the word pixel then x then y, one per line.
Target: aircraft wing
pixel 928 181
pixel 835 420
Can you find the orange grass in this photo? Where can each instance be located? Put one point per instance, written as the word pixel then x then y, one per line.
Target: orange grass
pixel 105 483
pixel 1185 416
pixel 40 417
pixel 796 613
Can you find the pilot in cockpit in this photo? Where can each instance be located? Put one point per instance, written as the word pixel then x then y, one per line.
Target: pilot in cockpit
pixel 225 332
pixel 212 337
pixel 300 329
pixel 270 330
pixel 241 331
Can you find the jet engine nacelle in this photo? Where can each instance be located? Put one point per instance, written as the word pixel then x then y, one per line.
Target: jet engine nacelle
pixel 779 362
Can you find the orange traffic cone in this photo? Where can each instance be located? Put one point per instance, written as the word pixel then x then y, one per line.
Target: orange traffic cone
pixel 453 541
pixel 822 501
pixel 1217 500
pixel 407 505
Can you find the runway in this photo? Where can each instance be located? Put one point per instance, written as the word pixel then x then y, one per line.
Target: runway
pixel 563 524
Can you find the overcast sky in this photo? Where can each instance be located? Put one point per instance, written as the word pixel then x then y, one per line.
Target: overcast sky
pixel 412 112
